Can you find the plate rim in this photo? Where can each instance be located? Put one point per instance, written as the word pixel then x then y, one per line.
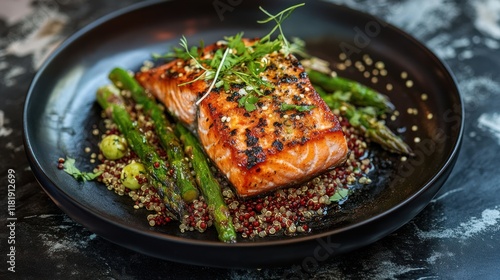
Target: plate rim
pixel 42 176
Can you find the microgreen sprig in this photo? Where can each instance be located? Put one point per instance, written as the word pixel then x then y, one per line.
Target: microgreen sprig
pixel 239 61
pixel 279 18
pixel 215 78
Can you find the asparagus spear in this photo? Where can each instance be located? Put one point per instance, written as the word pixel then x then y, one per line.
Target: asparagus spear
pixel 208 185
pixel 110 100
pixel 360 95
pixel 365 119
pixel 182 173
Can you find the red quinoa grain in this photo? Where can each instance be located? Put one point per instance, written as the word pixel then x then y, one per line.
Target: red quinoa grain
pixel 286 211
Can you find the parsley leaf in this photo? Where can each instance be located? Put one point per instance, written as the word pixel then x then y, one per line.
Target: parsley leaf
pixel 248 101
pixel 70 168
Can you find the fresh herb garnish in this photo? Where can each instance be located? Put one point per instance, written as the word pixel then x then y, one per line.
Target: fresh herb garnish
pixel 70 168
pixel 240 61
pixel 300 108
pixel 248 101
pixel 279 18
pixel 339 195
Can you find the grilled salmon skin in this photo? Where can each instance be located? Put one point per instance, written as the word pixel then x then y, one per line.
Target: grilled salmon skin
pixel 290 137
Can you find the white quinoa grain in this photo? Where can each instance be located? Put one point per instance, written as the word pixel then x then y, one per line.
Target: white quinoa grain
pixel 379 65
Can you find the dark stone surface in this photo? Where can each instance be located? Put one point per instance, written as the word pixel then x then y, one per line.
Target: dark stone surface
pixel 457 236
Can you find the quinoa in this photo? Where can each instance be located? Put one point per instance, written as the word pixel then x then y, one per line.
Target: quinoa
pixel 286 211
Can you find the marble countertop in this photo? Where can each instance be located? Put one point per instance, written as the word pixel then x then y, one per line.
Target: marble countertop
pixel 457 236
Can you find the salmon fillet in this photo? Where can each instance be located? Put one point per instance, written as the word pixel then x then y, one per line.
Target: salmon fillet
pixel 260 150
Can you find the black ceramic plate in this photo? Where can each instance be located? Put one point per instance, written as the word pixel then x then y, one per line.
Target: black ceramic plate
pixel 60 112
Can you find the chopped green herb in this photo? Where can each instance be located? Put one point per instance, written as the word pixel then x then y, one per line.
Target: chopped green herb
pixel 70 168
pixel 248 101
pixel 300 108
pixel 339 195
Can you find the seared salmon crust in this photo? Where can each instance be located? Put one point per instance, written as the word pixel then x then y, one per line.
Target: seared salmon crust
pixel 260 150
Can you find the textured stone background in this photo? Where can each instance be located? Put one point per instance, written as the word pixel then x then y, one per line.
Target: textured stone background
pixel 456 237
